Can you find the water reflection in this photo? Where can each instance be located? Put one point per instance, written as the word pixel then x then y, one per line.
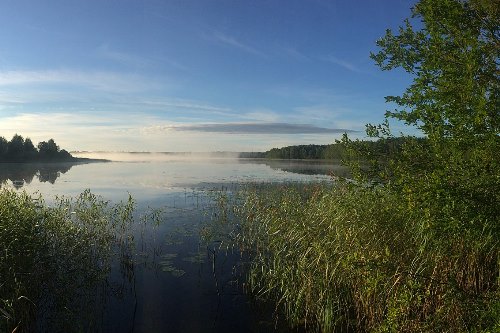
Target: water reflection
pixel 169 280
pixel 308 167
pixel 24 173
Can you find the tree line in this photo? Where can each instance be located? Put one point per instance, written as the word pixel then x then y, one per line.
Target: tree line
pixel 19 149
pixel 381 148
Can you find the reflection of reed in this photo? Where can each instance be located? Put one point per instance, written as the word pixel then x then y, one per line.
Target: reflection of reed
pixel 23 173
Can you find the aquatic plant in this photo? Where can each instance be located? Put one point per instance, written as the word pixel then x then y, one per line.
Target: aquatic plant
pixel 348 258
pixel 55 258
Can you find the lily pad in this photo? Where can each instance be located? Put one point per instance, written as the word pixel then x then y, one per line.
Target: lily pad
pixel 196 258
pixel 169 256
pixel 168 267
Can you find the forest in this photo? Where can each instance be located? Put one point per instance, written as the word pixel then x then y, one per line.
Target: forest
pixel 382 148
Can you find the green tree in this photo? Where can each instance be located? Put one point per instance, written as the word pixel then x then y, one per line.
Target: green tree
pixel 15 147
pixel 29 146
pixel 454 101
pixel 52 147
pixel 48 149
pixel 454 59
pixel 29 150
pixel 446 183
pixel 4 145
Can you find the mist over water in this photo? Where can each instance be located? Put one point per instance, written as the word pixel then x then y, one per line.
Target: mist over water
pixel 150 176
pixel 156 156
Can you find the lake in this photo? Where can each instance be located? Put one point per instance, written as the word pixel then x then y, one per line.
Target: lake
pixel 178 283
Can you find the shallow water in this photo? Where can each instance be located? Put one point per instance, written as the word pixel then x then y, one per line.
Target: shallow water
pixel 177 284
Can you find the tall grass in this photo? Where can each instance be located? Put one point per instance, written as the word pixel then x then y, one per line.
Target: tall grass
pixel 54 259
pixel 349 258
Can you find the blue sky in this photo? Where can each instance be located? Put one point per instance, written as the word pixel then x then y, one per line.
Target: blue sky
pixel 201 75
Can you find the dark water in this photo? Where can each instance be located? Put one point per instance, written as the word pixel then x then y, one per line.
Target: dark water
pixel 177 283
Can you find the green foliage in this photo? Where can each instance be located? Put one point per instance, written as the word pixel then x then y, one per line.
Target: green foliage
pixel 412 244
pixel 23 150
pixel 4 146
pixel 349 258
pixel 333 151
pixel 56 258
pixel 298 152
pixel 454 61
pixel 454 175
pixel 15 147
pixel 454 100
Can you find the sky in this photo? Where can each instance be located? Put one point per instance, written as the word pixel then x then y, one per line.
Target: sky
pixel 185 75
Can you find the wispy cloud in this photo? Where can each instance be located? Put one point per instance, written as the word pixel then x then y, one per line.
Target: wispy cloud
pixel 294 53
pixel 233 42
pixel 261 115
pixel 77 131
pixel 319 112
pixel 139 131
pixel 104 51
pixel 96 80
pixel 132 60
pixel 342 63
pixel 342 117
pixel 187 104
pixel 6 98
pixel 255 128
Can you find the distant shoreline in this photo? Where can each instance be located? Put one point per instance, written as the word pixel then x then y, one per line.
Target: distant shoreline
pixel 74 160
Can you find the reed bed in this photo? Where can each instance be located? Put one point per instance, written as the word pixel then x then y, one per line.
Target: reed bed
pixel 55 258
pixel 349 258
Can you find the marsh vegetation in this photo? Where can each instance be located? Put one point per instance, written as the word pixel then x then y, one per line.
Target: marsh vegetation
pixel 67 256
pixel 352 258
pixel 411 242
pixel 56 258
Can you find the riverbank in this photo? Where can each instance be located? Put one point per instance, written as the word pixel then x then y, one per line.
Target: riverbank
pixel 348 258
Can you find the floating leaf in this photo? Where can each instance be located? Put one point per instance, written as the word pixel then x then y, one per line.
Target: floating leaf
pixel 168 256
pixel 178 272
pixel 195 258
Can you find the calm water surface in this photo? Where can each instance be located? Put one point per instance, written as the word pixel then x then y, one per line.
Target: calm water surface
pixel 178 283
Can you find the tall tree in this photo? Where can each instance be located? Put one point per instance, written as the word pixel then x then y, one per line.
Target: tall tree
pixel 48 148
pixel 454 59
pixel 452 51
pixel 4 146
pixel 16 147
pixel 52 147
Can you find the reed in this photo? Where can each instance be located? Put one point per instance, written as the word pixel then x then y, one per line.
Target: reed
pixel 350 258
pixel 55 258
